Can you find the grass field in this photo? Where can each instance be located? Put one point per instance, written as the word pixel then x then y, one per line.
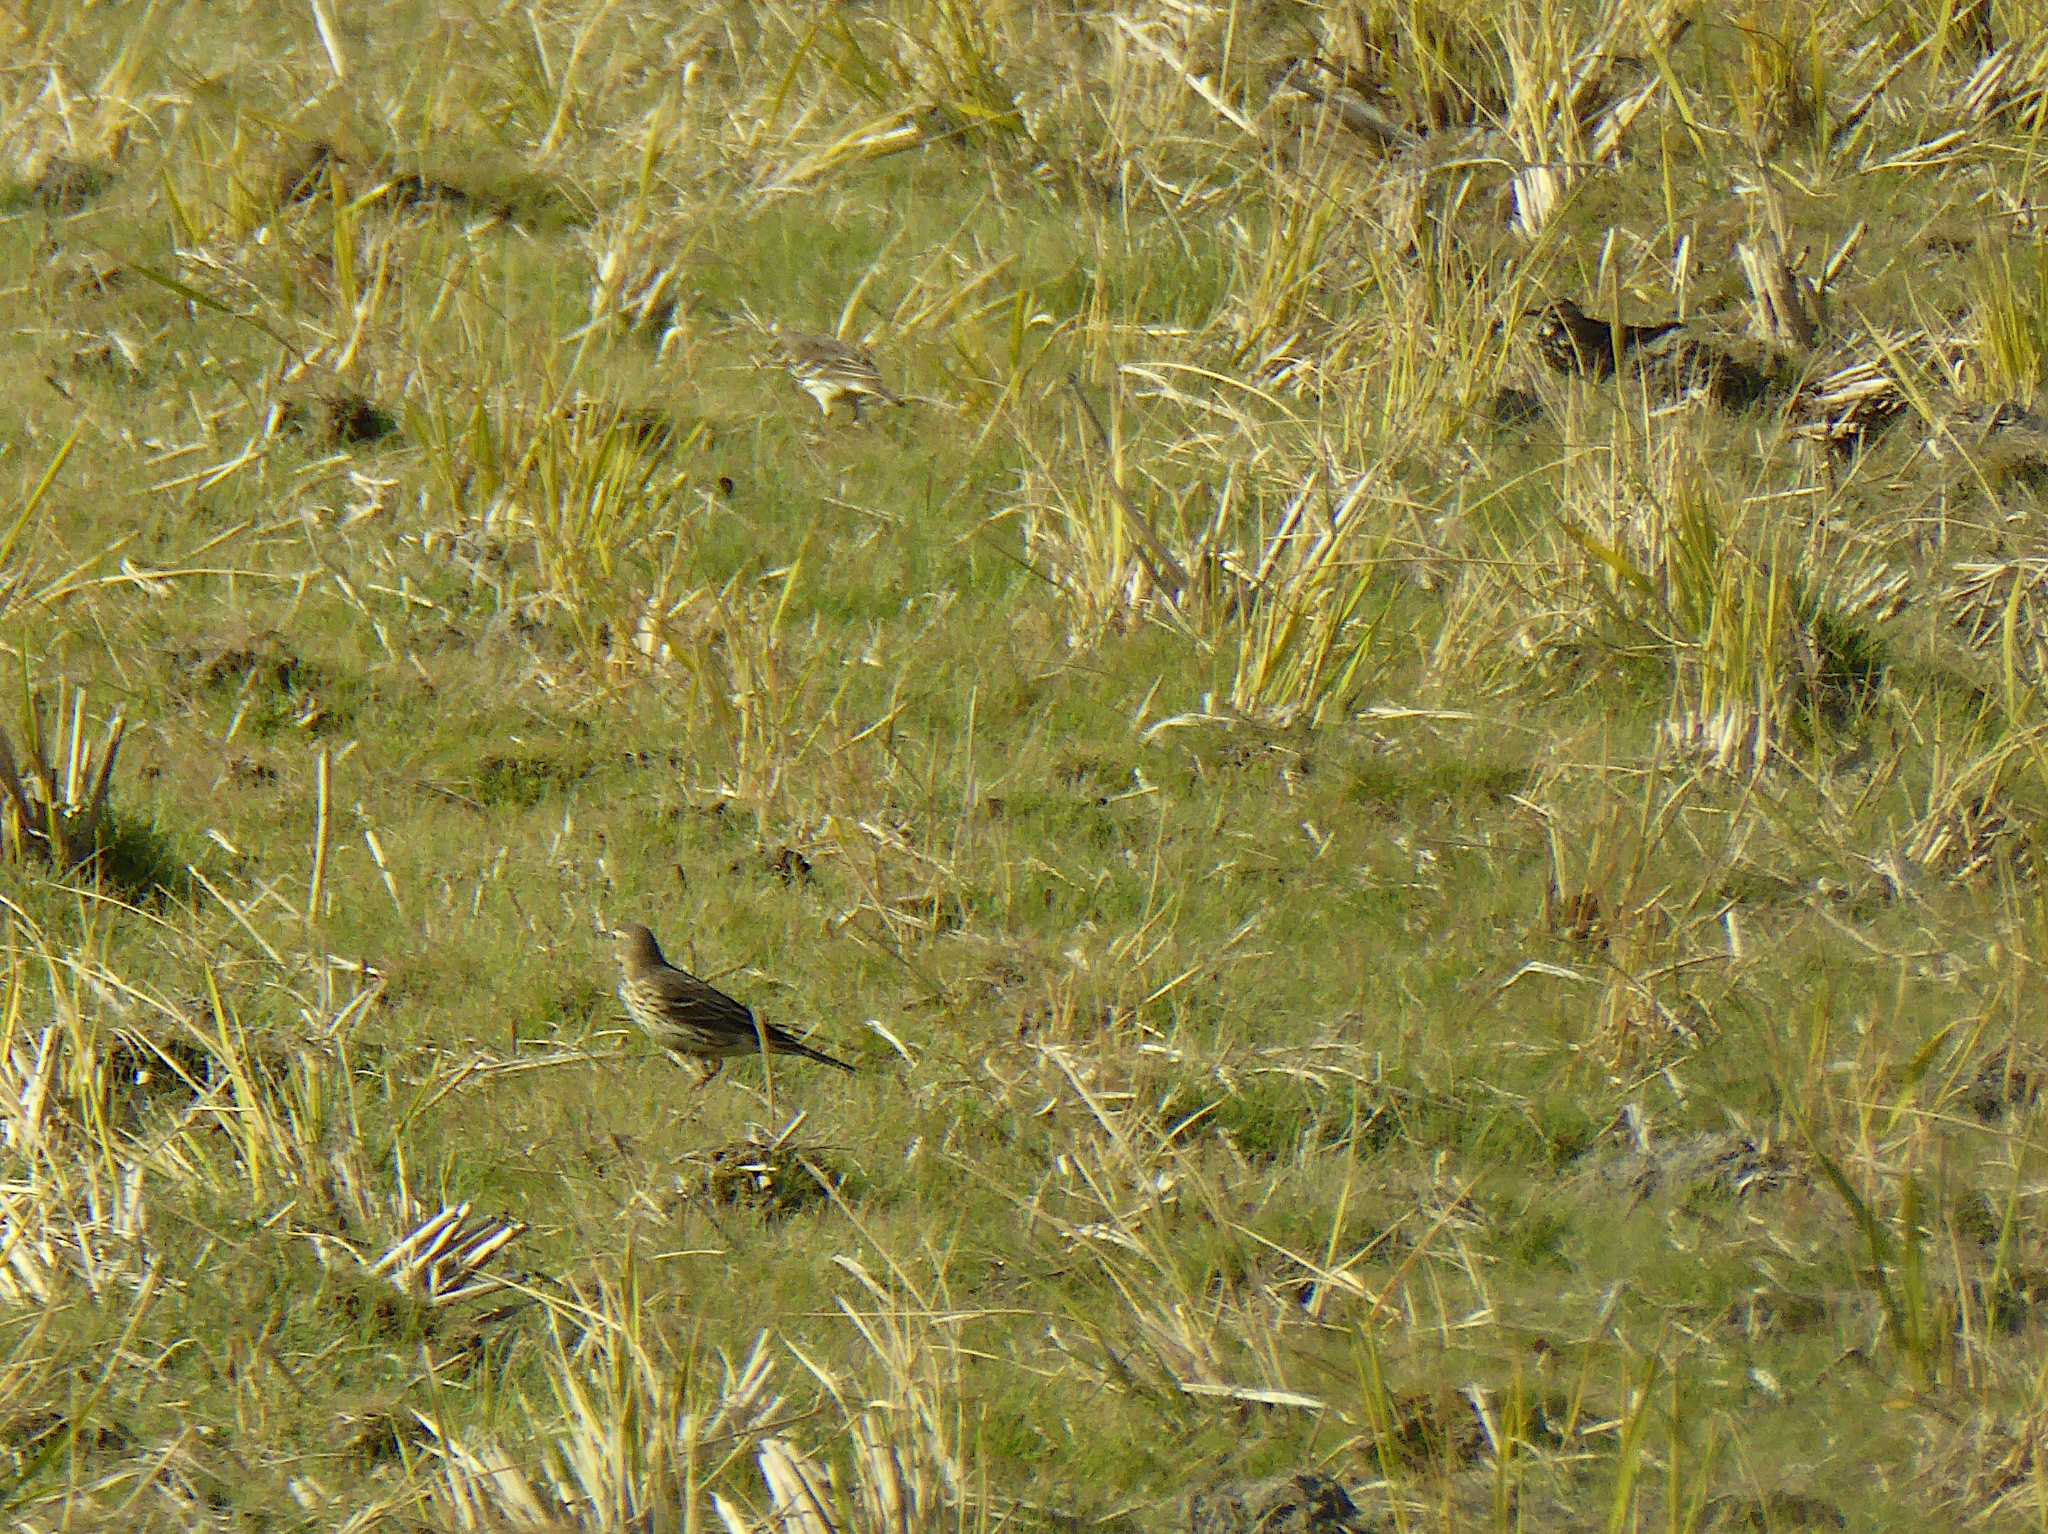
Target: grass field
pixel 1402 913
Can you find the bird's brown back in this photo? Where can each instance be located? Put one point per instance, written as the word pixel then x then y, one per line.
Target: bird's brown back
pixel 1573 341
pixel 678 992
pixel 836 367
pixel 657 985
pixel 805 351
pixel 692 1017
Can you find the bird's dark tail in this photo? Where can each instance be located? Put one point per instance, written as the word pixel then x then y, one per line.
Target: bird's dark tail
pixel 782 1043
pixel 822 1058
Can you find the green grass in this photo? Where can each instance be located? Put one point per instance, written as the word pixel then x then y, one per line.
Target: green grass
pixel 1494 959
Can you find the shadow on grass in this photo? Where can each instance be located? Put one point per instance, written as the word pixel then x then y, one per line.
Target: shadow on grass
pixel 137 860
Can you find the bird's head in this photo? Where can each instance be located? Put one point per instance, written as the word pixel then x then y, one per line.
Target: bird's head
pixel 636 944
pixel 1556 311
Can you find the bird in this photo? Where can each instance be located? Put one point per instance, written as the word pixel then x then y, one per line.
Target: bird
pixel 830 370
pixel 1573 341
pixel 690 1018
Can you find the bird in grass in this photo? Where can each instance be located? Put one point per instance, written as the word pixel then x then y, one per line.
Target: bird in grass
pixel 691 1019
pixel 830 370
pixel 1573 341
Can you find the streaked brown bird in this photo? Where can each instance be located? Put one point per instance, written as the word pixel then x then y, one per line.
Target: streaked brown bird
pixel 691 1019
pixel 1573 341
pixel 830 370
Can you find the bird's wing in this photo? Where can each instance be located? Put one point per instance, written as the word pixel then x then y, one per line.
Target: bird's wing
pixel 680 987
pixel 830 351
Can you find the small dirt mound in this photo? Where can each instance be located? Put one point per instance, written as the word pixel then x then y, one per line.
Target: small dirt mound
pixel 1774 1510
pixel 2006 1080
pixel 348 419
pixel 66 185
pixel 1302 1503
pixel 775 1180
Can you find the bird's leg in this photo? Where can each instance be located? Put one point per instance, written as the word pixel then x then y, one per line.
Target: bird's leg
pixel 709 1072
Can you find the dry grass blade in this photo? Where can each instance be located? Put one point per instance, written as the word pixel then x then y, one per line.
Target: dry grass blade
pixel 1998 603
pixel 1166 572
pixel 56 815
pixel 1844 409
pixel 1560 118
pixel 1852 118
pixel 799 1492
pixel 483 1486
pixel 2006 84
pixel 895 1495
pixel 91 1233
pixel 1319 81
pixel 444 1259
pixel 639 271
pixel 1783 305
pixel 28 1071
